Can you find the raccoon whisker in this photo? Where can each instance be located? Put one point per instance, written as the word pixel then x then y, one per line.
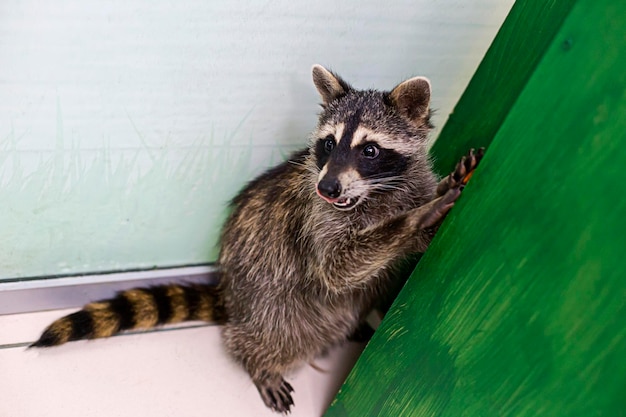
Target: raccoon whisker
pixel 382 180
pixel 379 183
pixel 303 164
pixel 380 188
pixel 385 190
pixel 307 166
pixel 386 184
pixel 313 169
pixel 383 177
pixel 394 187
pixel 380 192
pixel 308 173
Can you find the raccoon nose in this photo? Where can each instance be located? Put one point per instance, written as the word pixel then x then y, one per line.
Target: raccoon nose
pixel 329 188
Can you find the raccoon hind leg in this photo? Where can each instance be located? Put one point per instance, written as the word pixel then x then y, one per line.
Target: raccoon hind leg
pixel 275 392
pixel 265 359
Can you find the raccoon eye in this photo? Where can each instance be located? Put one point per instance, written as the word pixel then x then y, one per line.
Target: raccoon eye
pixel 371 151
pixel 329 143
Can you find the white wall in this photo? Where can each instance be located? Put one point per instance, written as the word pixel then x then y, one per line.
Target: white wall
pixel 126 126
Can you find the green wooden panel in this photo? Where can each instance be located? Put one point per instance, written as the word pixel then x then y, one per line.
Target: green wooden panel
pixel 519 306
pixel 511 59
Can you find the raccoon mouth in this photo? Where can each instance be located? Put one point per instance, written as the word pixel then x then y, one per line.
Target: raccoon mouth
pixel 340 203
pixel 345 203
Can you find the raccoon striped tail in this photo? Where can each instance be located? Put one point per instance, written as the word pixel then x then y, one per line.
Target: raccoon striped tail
pixel 139 308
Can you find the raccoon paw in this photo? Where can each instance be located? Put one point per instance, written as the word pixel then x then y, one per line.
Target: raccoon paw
pixel 462 172
pixel 276 394
pixel 466 166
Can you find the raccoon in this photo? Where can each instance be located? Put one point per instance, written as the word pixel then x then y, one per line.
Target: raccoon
pixel 311 244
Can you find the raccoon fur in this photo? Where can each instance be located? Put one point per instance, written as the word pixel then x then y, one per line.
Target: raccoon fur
pixel 311 244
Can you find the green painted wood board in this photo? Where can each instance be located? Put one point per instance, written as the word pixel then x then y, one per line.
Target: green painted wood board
pixel 502 74
pixel 519 306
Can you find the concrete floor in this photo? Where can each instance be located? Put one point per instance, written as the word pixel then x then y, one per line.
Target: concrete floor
pixel 181 371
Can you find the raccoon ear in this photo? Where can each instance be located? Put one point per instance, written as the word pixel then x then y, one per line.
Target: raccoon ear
pixel 329 85
pixel 412 98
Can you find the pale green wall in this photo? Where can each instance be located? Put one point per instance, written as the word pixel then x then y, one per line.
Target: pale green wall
pixel 126 126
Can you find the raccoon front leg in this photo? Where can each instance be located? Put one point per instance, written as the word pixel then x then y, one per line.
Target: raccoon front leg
pixel 462 172
pixel 434 212
pixel 374 248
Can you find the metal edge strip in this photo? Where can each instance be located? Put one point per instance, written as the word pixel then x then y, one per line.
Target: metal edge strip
pixel 75 291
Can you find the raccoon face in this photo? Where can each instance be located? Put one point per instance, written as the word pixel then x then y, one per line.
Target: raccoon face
pixel 365 140
pixel 355 161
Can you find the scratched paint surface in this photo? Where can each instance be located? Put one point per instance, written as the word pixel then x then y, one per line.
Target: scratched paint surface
pixel 126 126
pixel 519 306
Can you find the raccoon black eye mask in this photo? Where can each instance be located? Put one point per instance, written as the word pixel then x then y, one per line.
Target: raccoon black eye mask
pixel 373 169
pixel 310 245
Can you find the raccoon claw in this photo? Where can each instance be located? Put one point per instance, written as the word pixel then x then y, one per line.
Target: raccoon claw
pixel 462 172
pixel 278 398
pixel 466 166
pixel 450 188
